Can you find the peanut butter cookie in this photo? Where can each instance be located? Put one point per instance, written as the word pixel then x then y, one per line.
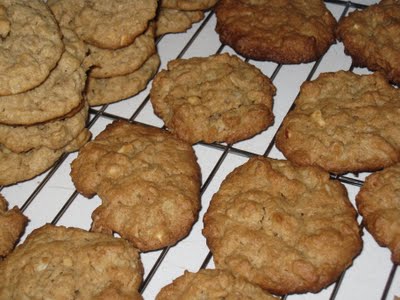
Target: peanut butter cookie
pixel 174 21
pixel 188 4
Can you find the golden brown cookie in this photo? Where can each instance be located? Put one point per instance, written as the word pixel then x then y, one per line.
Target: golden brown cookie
pixel 213 99
pixel 212 285
pixel 289 229
pixel 379 203
pixel 174 21
pixel 12 225
pixel 284 31
pixel 70 263
pixel 103 23
pixel 57 96
pixel 30 45
pixel 148 181
pixel 372 38
pixel 108 90
pixel 16 167
pixel 343 122
pixel 188 4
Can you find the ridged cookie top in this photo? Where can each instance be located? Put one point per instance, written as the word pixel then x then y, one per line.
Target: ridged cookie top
pixel 148 181
pixel 289 31
pixel 343 122
pixel 70 263
pixel 379 203
pixel 212 285
pixel 289 229
pixel 372 37
pixel 213 99
pixel 30 45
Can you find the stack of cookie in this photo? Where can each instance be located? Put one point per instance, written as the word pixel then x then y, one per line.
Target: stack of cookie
pixel 42 111
pixel 120 37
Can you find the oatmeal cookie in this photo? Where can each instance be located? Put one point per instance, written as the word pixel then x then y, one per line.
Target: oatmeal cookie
pixel 16 167
pixel 30 45
pixel 379 203
pixel 148 181
pixel 70 263
pixel 108 90
pixel 371 37
pixel 212 285
pixel 12 225
pixel 213 99
pixel 57 96
pixel 103 23
pixel 343 122
pixel 289 31
pixel 188 4
pixel 174 21
pixel 288 229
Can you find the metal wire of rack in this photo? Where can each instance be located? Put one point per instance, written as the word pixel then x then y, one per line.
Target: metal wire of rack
pixel 364 280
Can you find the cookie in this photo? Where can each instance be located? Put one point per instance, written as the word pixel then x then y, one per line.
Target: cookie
pixel 174 21
pixel 288 229
pixel 108 90
pixel 110 63
pixel 188 4
pixel 212 284
pixel 371 37
pixel 379 203
pixel 343 122
pixel 57 96
pixel 53 135
pixel 148 181
pixel 12 225
pixel 281 31
pixel 70 263
pixel 213 99
pixel 16 167
pixel 30 45
pixel 105 24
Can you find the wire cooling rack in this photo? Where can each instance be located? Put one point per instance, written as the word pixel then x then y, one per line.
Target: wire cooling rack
pixel 52 198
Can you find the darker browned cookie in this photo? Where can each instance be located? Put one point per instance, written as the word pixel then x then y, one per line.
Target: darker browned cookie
pixel 372 38
pixel 281 31
pixel 343 122
pixel 288 229
pixel 71 263
pixel 148 181
pixel 379 203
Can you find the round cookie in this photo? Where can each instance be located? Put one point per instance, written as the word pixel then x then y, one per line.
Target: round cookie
pixel 379 203
pixel 212 285
pixel 188 4
pixel 71 263
pixel 281 31
pixel 213 99
pixel 288 229
pixel 371 37
pixel 30 45
pixel 109 63
pixel 12 225
pixel 57 96
pixel 343 122
pixel 16 167
pixel 174 21
pixel 103 23
pixel 108 90
pixel 148 181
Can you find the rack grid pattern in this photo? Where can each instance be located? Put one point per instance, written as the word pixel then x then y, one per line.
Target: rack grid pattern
pixel 52 198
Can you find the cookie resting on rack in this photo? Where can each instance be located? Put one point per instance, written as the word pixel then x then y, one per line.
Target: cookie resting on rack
pixel 57 262
pixel 379 203
pixel 148 181
pixel 174 21
pixel 372 38
pixel 288 229
pixel 343 122
pixel 212 285
pixel 288 31
pixel 218 98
